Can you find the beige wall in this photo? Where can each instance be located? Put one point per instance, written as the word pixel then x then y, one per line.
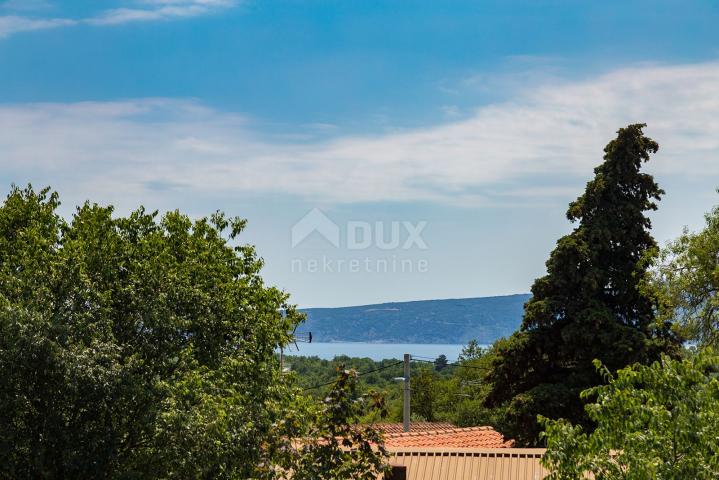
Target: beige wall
pixel 470 464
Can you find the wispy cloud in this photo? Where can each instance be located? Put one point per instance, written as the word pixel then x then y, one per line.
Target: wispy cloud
pixel 10 24
pixel 546 138
pixel 152 10
pixel 139 11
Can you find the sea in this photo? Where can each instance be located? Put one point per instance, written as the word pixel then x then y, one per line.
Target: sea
pixel 375 351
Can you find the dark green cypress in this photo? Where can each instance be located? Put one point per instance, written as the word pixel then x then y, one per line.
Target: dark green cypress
pixel 589 305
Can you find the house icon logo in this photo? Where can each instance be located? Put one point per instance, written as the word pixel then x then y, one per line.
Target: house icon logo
pixel 315 221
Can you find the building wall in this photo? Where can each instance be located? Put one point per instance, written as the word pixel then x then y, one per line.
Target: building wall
pixel 470 464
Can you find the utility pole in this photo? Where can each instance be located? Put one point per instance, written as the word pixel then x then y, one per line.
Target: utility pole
pixel 405 416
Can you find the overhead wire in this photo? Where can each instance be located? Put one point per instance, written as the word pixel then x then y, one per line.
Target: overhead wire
pixel 455 364
pixel 416 358
pixel 361 374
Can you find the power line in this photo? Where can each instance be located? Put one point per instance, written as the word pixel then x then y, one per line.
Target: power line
pixel 474 367
pixel 358 375
pixel 416 358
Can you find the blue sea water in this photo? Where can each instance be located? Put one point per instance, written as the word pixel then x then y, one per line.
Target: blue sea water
pixel 375 351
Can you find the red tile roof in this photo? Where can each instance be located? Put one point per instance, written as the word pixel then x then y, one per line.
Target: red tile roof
pixel 392 428
pixel 472 437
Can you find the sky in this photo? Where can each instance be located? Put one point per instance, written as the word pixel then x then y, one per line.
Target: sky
pixel 380 150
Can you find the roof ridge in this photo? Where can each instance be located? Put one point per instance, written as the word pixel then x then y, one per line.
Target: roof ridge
pixel 440 432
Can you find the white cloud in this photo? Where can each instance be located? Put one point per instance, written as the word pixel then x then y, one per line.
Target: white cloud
pixel 10 24
pixel 141 11
pixel 542 138
pixel 160 10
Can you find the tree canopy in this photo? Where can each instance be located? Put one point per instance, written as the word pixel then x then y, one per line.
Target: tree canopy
pixel 335 446
pixel 686 282
pixel 654 422
pixel 143 347
pixel 589 305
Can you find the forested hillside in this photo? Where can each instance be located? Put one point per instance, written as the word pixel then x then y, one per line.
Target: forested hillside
pixel 483 319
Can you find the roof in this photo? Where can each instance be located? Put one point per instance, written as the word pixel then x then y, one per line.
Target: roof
pixel 472 437
pixel 392 428
pixel 470 464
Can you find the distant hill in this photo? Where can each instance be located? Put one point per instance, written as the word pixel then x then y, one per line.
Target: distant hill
pixel 427 321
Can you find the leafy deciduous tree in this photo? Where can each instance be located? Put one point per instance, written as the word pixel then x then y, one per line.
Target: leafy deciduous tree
pixel 139 347
pixel 686 282
pixel 424 394
pixel 335 445
pixel 652 422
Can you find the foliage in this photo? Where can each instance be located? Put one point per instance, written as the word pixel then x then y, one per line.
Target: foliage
pixel 312 371
pixel 440 362
pixel 334 447
pixel 138 347
pixel 472 388
pixel 471 351
pixel 653 422
pixel 686 282
pixel 589 304
pixel 424 393
pixel 455 394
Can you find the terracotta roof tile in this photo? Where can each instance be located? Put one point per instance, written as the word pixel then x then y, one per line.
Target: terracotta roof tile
pixel 472 437
pixel 392 428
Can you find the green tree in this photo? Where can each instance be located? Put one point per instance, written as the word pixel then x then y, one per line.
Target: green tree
pixel 335 446
pixel 686 282
pixel 471 351
pixel 589 304
pixel 138 347
pixel 469 388
pixel 440 362
pixel 653 422
pixel 424 394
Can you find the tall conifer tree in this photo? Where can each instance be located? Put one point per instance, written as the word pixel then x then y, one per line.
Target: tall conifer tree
pixel 589 304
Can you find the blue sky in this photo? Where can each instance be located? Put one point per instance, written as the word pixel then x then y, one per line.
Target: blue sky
pixel 481 120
